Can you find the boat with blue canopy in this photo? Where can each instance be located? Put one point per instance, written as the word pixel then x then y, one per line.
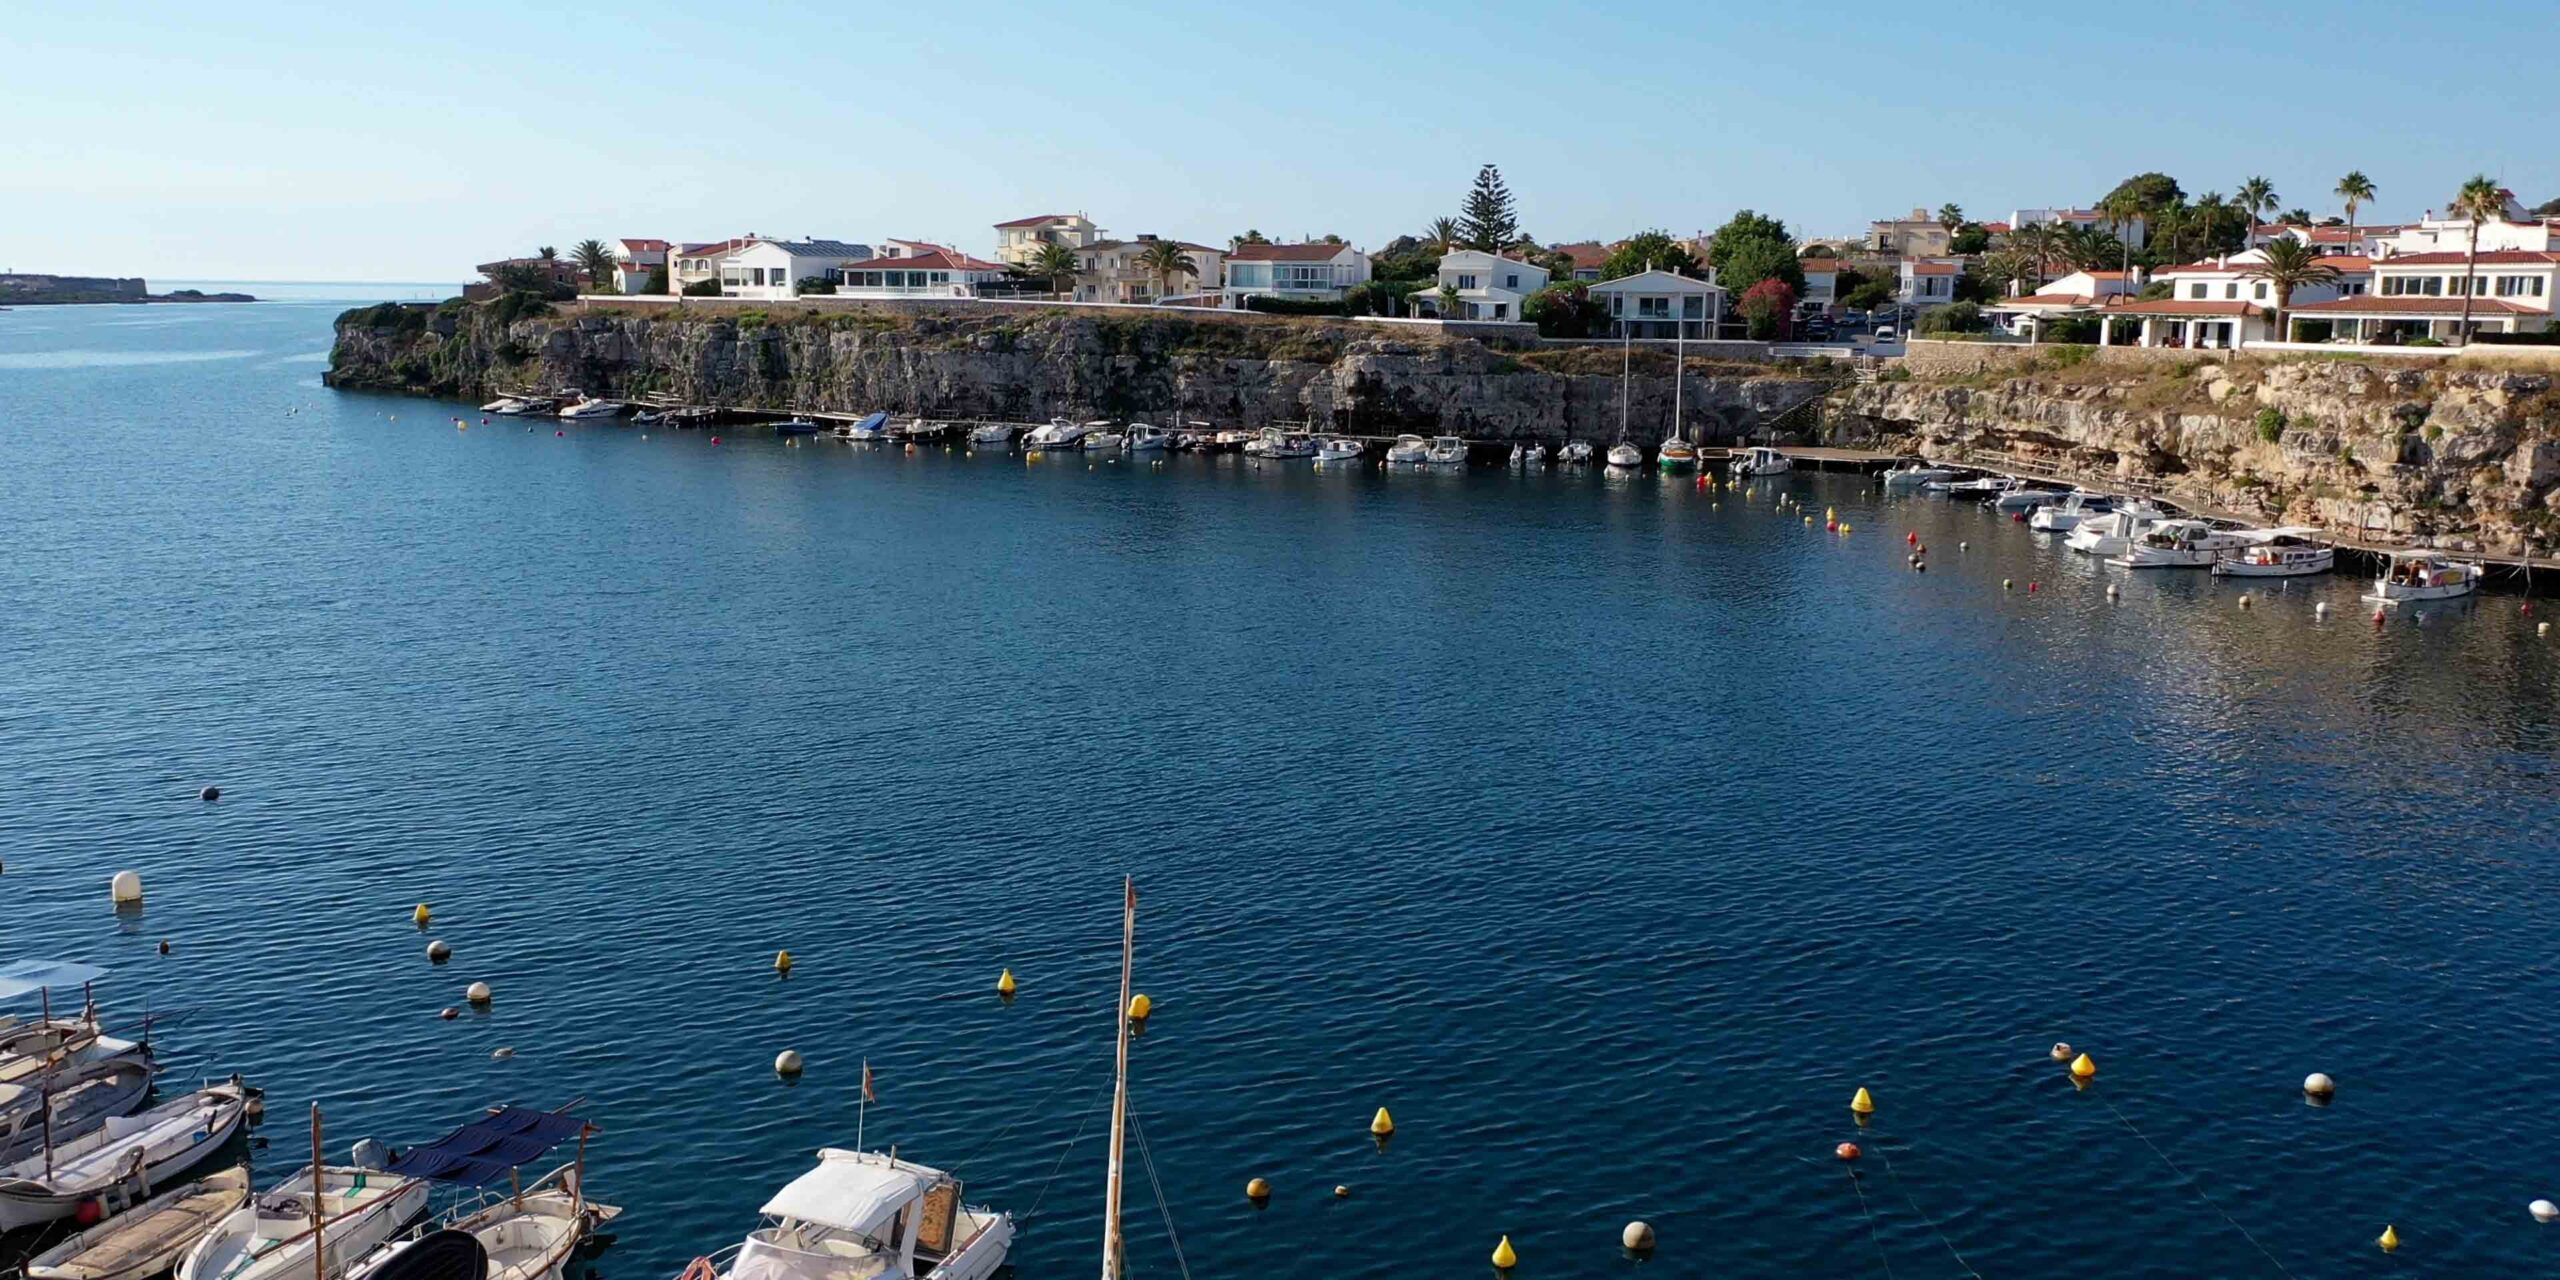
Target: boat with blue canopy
pixel 525 1232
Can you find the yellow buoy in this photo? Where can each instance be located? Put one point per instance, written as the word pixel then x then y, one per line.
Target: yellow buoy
pixel 2084 1068
pixel 1140 1006
pixel 1504 1256
pixel 422 915
pixel 1004 983
pixel 2390 1238
pixel 1864 1104
pixel 1258 1189
pixel 1382 1124
pixel 782 962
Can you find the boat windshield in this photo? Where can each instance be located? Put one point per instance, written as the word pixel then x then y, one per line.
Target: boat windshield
pixel 779 1253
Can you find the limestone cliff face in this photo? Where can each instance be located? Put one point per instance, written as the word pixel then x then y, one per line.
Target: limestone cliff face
pixel 2467 456
pixel 1029 366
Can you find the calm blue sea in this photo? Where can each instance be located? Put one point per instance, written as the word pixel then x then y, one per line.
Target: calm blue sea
pixel 1611 833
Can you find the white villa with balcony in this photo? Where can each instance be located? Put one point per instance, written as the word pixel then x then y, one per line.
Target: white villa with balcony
pixel 1116 271
pixel 1928 282
pixel 1019 241
pixel 1295 272
pixel 1488 286
pixel 635 261
pixel 1660 305
pixel 2133 231
pixel 2421 295
pixel 771 270
pixel 939 273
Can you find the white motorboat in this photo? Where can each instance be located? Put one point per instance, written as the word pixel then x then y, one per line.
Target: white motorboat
pixel 1974 490
pixel 2066 515
pixel 144 1242
pixel 1575 453
pixel 2179 544
pixel 1280 446
pixel 872 428
pixel 1913 475
pixel 2109 534
pixel 1147 439
pixel 1625 455
pixel 588 407
pixel 861 1215
pixel 2278 553
pixel 1759 461
pixel 1059 436
pixel 1104 439
pixel 2029 495
pixel 992 435
pixel 1524 456
pixel 270 1238
pixel 503 404
pixel 79 1096
pixel 1339 449
pixel 2424 575
pixel 519 406
pixel 1446 451
pixel 141 1150
pixel 1412 449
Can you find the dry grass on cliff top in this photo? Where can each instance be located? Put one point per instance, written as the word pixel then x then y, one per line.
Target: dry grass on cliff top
pixel 1594 360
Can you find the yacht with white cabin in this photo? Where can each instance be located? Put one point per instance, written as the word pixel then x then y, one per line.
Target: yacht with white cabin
pixel 2290 552
pixel 2424 575
pixel 861 1215
pixel 1409 449
pixel 1759 460
pixel 2179 544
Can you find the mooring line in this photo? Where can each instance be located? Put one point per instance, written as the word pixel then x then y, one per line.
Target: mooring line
pixel 1054 1170
pixel 1147 1156
pixel 1872 1236
pixel 2201 1193
pixel 1941 1232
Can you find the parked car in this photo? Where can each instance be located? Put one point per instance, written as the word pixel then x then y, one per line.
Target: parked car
pixel 1885 333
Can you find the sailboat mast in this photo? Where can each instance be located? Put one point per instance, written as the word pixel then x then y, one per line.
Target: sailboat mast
pixel 1114 1248
pixel 319 1189
pixel 1626 379
pixel 1679 377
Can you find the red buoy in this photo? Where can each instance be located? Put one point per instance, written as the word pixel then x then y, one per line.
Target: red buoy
pixel 715 439
pixel 87 1212
pixel 1847 1151
pixel 1831 526
pixel 2377 616
pixel 559 433
pixel 2031 587
pixel 1912 537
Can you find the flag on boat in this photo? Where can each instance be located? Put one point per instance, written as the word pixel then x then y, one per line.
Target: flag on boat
pixel 868 1093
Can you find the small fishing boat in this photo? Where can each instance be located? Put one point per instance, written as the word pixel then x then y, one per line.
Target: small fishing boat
pixel 588 407
pixel 861 1214
pixel 354 1209
pixel 2290 552
pixel 1339 449
pixel 797 426
pixel 1525 456
pixel 1230 440
pixel 1280 446
pixel 2179 544
pixel 1624 455
pixel 1759 461
pixel 1575 453
pixel 144 1242
pixel 1147 439
pixel 992 435
pixel 1409 449
pixel 648 417
pixel 1104 438
pixel 1974 490
pixel 2109 534
pixel 141 1150
pixel 442 1254
pixel 1059 436
pixel 521 1232
pixel 503 404
pixel 1676 454
pixel 78 1096
pixel 1913 474
pixel 2028 495
pixel 872 428
pixel 2065 515
pixel 1446 451
pixel 2424 575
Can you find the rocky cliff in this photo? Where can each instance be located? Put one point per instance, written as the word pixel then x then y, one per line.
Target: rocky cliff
pixel 2469 457
pixel 1011 364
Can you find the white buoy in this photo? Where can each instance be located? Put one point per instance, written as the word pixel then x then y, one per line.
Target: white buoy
pixel 2544 1210
pixel 1964 546
pixel 2111 591
pixel 126 888
pixel 2542 628
pixel 1638 1235
pixel 502 1051
pixel 2244 599
pixel 787 1063
pixel 438 952
pixel 476 993
pixel 2320 610
pixel 2319 1085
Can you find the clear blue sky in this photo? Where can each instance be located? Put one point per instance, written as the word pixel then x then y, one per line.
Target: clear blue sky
pixel 273 139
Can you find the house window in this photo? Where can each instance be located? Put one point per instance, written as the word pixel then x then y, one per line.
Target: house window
pixel 1617 304
pixel 2231 290
pixel 1693 307
pixel 2195 290
pixel 1466 282
pixel 1653 308
pixel 2261 292
pixel 1502 311
pixel 1511 280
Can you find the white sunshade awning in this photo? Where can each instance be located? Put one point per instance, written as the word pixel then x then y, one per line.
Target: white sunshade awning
pixel 27 977
pixel 849 1190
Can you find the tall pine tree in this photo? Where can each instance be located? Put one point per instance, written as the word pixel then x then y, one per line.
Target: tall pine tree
pixel 1488 222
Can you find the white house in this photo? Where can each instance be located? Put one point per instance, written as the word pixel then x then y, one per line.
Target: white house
pixel 2357 241
pixel 1928 282
pixel 1115 270
pixel 894 248
pixel 940 273
pixel 2420 295
pixel 1296 272
pixel 635 261
pixel 2133 231
pixel 691 264
pixel 773 269
pixel 1021 240
pixel 1488 286
pixel 2233 277
pixel 1660 305
pixel 2078 293
pixel 1821 286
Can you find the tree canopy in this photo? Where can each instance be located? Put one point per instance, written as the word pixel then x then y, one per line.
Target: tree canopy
pixel 1489 221
pixel 1750 248
pixel 2150 192
pixel 1650 250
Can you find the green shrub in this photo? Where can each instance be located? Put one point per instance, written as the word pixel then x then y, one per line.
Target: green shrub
pixel 2270 424
pixel 1895 373
pixel 516 305
pixel 2434 433
pixel 2425 342
pixel 2071 354
pixel 1294 306
pixel 1955 317
pixel 703 289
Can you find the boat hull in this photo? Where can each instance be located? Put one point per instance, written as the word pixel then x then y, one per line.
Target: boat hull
pixel 2293 567
pixel 146 1241
pixel 233 1249
pixel 30 1202
pixel 2397 593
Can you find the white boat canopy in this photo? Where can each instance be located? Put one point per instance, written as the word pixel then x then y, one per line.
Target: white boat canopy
pixel 851 1191
pixel 27 977
pixel 2302 531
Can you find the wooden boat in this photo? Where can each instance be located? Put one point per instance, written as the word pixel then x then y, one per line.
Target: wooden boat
pixel 354 1211
pixel 69 1101
pixel 164 1142
pixel 520 1232
pixel 144 1242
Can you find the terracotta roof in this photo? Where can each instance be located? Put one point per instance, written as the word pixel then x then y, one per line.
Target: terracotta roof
pixel 944 260
pixel 2045 300
pixel 2371 304
pixel 2497 257
pixel 1996 228
pixel 1821 266
pixel 2346 264
pixel 1936 269
pixel 713 248
pixel 644 246
pixel 1286 252
pixel 1587 254
pixel 2181 307
pixel 1141 244
pixel 1033 222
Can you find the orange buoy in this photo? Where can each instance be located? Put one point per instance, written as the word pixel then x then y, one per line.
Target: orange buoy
pixel 1847 1151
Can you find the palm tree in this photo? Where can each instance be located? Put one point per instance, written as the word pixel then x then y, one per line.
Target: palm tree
pixel 2290 264
pixel 2212 212
pixel 1442 234
pixel 1166 259
pixel 594 259
pixel 2357 190
pixel 1251 236
pixel 2169 226
pixel 2010 267
pixel 1951 215
pixel 2258 196
pixel 2478 201
pixel 2123 209
pixel 2037 241
pixel 1054 263
pixel 2090 248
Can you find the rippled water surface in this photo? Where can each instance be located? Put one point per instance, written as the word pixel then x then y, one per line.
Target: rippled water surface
pixel 1610 833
